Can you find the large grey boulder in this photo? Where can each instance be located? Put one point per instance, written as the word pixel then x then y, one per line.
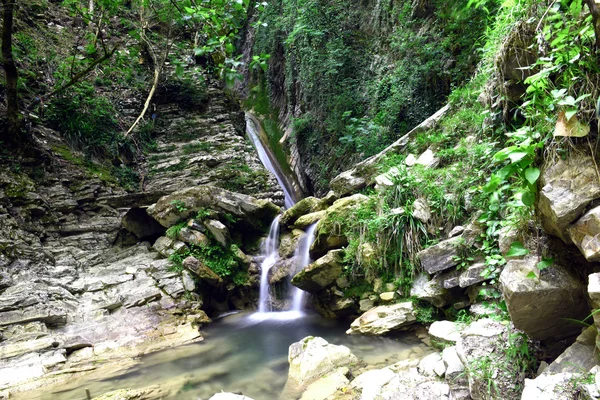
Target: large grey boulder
pixel 383 319
pixel 585 233
pixel 430 290
pixel 313 357
pixel 542 306
pixel 327 234
pixel 567 188
pixel 321 273
pixel 441 256
pixel 184 204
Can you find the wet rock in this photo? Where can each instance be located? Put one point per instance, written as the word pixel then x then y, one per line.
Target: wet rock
pixel 327 385
pixel 327 235
pixel 321 273
pixel 441 256
pixel 567 188
pixel 312 358
pixel 307 220
pixel 383 319
pixel 585 233
pixel 289 242
pixel 541 306
pixel 184 204
pixel 219 231
pixel 303 207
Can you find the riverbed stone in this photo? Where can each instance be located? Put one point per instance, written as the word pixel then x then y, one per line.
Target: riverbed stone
pixel 321 273
pixel 383 319
pixel 542 307
pixel 567 188
pixel 313 357
pixel 585 234
pixel 444 333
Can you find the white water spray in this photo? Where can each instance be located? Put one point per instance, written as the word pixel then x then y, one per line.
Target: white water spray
pixel 303 256
pixel 271 252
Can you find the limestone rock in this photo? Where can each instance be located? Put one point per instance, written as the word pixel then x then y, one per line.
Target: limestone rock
pixel 312 358
pixel 183 204
pixel 472 275
pixel 327 385
pixel 193 237
pixel 321 273
pixel 585 233
pixel 187 281
pixel 441 256
pixel 430 290
pixel 138 222
pixel 428 159
pixel 388 296
pixel 166 246
pixel 305 206
pixel 432 365
pixel 149 393
pixel 202 271
pixel 307 220
pixel 454 367
pixel 421 210
pixel 288 243
pixel 567 188
pixel 383 319
pixel 327 235
pixel 549 387
pixel 366 304
pixel 541 306
pixel 347 182
pixel 594 289
pixel 444 333
pixel 219 231
pixel 580 356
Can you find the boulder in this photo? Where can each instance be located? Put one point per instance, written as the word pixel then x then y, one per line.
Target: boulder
pixel 327 234
pixel 305 206
pixel 219 231
pixel 472 275
pixel 542 307
pixel 383 319
pixel 432 365
pixel 441 256
pixel 567 188
pixel 312 358
pixel 184 204
pixel 321 273
pixel 366 304
pixel 288 243
pixel 202 271
pixel 585 233
pixel 430 290
pixel 327 385
pixel 421 210
pixel 307 220
pixel 444 333
pixel 427 159
pixel 193 237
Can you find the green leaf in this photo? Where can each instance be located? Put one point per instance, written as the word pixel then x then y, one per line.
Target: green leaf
pixel 570 113
pixel 528 198
pixel 532 175
pixel 531 275
pixel 516 250
pixel 517 156
pixel 545 263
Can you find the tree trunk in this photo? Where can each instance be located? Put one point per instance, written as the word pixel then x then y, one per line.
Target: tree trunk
pixel 595 11
pixel 10 69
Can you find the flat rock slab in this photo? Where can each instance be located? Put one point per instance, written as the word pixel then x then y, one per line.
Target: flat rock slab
pixel 444 332
pixel 383 319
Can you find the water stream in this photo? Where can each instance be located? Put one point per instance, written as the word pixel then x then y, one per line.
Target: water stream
pixel 271 253
pixel 303 258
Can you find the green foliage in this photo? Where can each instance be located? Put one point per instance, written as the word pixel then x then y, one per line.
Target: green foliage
pixel 87 121
pixel 174 230
pixel 203 213
pixel 220 260
pixel 179 205
pixel 425 312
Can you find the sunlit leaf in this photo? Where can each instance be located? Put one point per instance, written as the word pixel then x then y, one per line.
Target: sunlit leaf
pixel 516 250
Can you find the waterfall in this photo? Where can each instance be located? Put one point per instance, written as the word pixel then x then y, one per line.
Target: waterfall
pixel 271 252
pixel 268 160
pixel 303 256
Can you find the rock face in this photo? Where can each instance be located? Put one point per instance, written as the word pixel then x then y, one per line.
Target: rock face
pixel 184 204
pixel 567 188
pixel 383 319
pixel 312 358
pixel 540 306
pixel 321 273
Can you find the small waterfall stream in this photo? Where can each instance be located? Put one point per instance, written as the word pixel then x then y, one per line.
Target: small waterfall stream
pixel 270 248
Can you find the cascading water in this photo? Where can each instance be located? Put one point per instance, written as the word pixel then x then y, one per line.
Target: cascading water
pixel 271 252
pixel 269 161
pixel 303 258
